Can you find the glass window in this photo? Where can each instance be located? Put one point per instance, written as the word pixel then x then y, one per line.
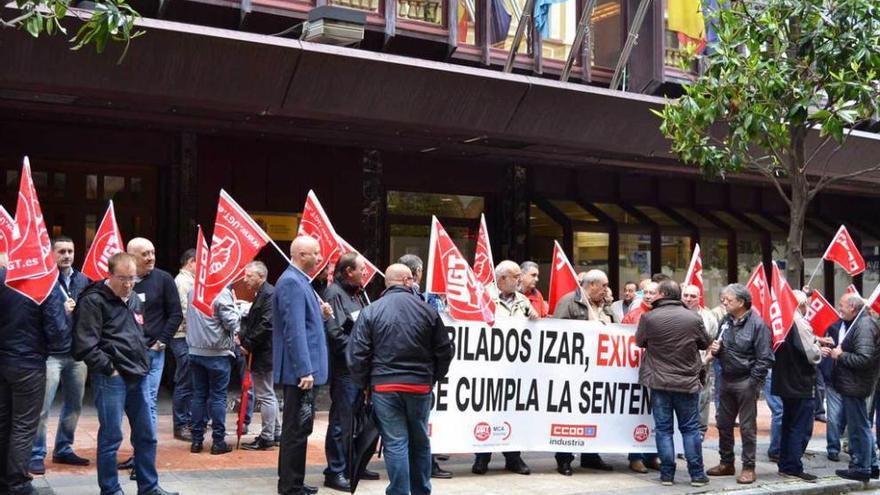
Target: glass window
pixel 413 239
pixel 59 184
pixel 590 251
pixel 369 5
pixel 606 33
pixel 91 228
pixel 467 24
pixel 91 187
pixel 413 10
pixel 542 232
pixel 559 30
pixel 574 211
pixel 113 185
pixel 427 204
pixel 748 256
pixel 676 255
pixel 635 257
pixel 714 254
pixel 814 248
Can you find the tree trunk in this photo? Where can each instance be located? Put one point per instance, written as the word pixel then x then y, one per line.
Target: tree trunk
pixel 800 201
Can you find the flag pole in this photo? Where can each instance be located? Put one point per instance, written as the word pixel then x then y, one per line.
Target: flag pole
pixel 810 281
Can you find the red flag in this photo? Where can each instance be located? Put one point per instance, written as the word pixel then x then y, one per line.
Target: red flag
pixel 450 274
pixel 757 286
pixel 315 223
pixel 563 280
pixel 695 272
pixel 31 268
pixel 851 289
pixel 203 260
pixel 873 301
pixel 246 384
pixel 484 265
pixel 236 241
pixel 7 228
pixel 372 270
pixel 820 313
pixel 844 252
pixel 107 242
pixel 780 308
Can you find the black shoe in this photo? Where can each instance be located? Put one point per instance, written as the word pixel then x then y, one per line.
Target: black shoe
pixel 480 466
pixel 196 447
pixel 72 459
pixel 564 468
pixel 366 474
pixel 278 442
pixel 37 466
pixel 258 444
pixel 802 475
pixel 834 457
pixel 184 434
pixel 220 448
pixel 439 473
pixel 337 482
pixel 126 464
pixel 309 489
pixel 442 457
pixel 596 463
pixel 517 465
pixel 875 473
pixel 159 491
pixel 852 475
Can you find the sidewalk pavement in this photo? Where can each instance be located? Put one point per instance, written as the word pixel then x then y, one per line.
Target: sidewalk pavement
pixel 255 472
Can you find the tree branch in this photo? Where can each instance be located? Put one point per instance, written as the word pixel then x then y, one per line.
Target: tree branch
pixel 827 179
pixel 14 22
pixel 775 180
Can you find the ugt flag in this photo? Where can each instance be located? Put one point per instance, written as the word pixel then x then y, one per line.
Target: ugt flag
pixel 236 241
pixel 820 313
pixel 757 286
pixel 873 301
pixel 450 274
pixel 845 253
pixel 562 277
pixel 203 260
pixel 107 242
pixel 484 265
pixel 31 268
pixel 7 230
pixel 315 223
pixel 780 308
pixel 695 272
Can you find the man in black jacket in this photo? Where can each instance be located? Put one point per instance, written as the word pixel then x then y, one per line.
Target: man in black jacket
pixel 794 376
pixel 854 377
pixel 256 341
pixel 400 348
pixel 744 351
pixel 109 337
pixel 346 297
pixel 27 332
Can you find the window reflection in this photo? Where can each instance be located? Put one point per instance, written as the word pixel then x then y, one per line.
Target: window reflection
pixel 590 251
pixel 676 255
pixel 748 255
pixel 635 257
pixel 714 254
pixel 542 232
pixel 606 33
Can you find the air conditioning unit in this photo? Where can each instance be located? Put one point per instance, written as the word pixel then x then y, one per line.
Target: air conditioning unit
pixel 335 26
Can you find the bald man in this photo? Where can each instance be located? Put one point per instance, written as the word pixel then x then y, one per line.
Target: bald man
pixel 400 347
pixel 299 356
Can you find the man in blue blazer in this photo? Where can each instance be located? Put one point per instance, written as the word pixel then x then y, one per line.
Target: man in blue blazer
pixel 299 354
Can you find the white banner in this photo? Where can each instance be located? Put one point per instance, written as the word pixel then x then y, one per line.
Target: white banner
pixel 547 385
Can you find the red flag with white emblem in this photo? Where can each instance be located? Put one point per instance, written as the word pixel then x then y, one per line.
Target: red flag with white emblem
pixel 31 269
pixel 371 269
pixel 780 308
pixel 759 290
pixel 236 242
pixel 203 261
pixel 316 223
pixel 820 313
pixel 874 300
pixel 563 280
pixel 695 272
pixel 449 273
pixel 845 253
pixel 7 228
pixel 484 264
pixel 107 242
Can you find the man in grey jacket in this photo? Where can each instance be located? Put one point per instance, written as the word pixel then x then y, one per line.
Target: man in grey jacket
pixel 211 341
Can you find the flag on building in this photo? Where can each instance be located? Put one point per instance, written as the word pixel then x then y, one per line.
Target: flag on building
pixel 845 253
pixel 31 269
pixel 484 264
pixel 820 313
pixel 450 274
pixel 107 242
pixel 235 242
pixel 316 223
pixel 563 279
pixel 685 17
pixel 694 274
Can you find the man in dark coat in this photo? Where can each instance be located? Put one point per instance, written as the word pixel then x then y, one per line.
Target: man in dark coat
pixel 256 341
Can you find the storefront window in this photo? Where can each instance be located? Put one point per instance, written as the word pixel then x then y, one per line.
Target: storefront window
pixel 543 231
pixel 714 254
pixel 441 205
pixel 635 257
pixel 676 255
pixel 413 239
pixel 748 256
pixel 590 251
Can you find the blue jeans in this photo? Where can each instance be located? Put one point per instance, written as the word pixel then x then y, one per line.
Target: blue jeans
pixel 71 376
pixel 861 438
pixel 343 394
pixel 403 423
pixel 685 407
pixel 836 421
pixel 154 379
pixel 113 397
pixel 210 379
pixel 797 428
pixel 774 402
pixel 182 397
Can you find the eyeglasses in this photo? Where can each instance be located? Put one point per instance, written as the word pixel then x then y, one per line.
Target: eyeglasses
pixel 123 279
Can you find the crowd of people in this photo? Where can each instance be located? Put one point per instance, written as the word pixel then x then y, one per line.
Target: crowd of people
pixel 304 332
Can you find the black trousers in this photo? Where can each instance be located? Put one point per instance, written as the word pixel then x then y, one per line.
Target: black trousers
pixel 296 426
pixel 487 456
pixel 21 400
